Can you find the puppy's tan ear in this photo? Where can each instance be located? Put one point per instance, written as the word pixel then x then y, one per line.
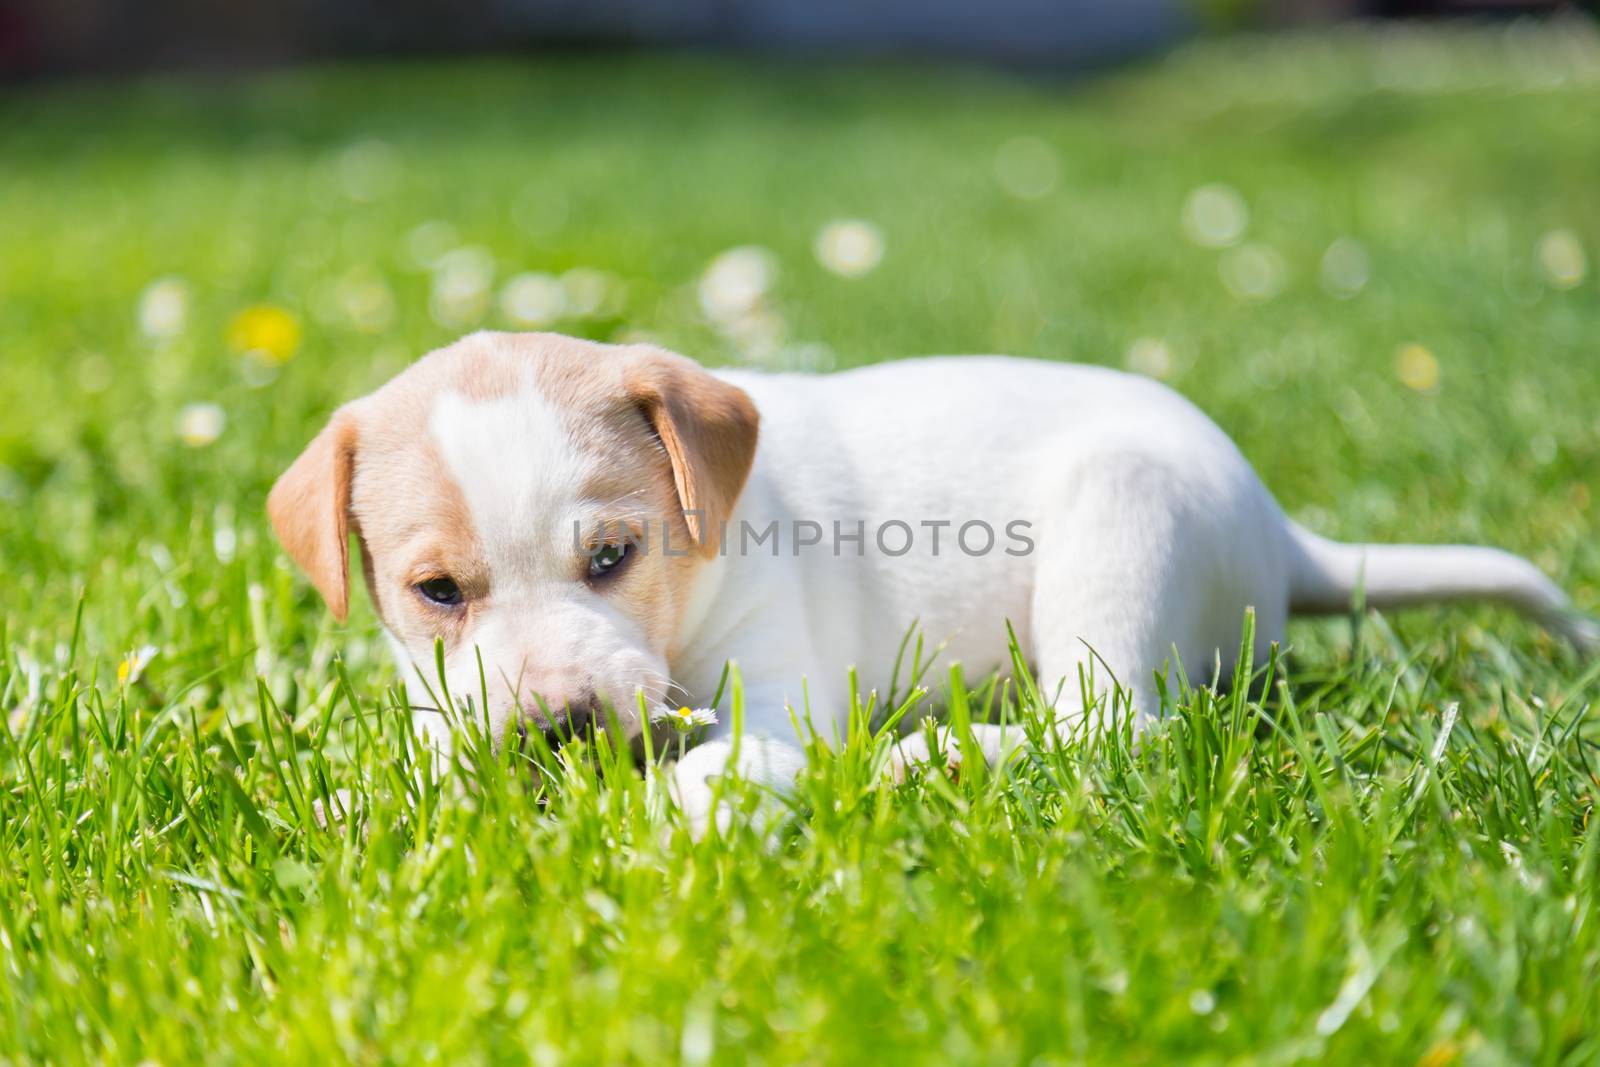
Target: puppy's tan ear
pixel 310 510
pixel 709 429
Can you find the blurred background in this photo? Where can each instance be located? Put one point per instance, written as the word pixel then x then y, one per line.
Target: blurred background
pixel 39 37
pixel 1358 234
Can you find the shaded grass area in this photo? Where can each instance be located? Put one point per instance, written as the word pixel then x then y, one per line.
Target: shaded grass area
pixel 1389 858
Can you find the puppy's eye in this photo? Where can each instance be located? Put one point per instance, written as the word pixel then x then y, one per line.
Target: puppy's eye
pixel 607 559
pixel 441 591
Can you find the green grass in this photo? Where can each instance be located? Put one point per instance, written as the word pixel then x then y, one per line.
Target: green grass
pixel 1391 860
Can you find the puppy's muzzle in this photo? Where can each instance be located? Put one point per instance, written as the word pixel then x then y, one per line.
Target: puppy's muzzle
pixel 558 724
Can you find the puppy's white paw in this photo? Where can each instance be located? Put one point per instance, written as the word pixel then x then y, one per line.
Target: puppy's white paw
pixel 693 789
pixel 767 764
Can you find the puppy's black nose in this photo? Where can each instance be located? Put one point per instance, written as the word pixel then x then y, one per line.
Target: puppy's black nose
pixel 573 721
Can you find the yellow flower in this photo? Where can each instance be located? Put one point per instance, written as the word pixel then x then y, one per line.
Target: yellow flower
pixel 270 332
pixel 1440 1055
pixel 1417 368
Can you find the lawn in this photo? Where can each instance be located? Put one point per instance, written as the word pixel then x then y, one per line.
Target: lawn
pixel 1367 256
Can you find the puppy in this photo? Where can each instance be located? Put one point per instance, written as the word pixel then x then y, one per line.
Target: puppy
pixel 581 524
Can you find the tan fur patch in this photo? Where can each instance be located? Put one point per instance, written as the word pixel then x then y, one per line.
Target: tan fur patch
pixel 309 507
pixel 709 430
pixel 663 434
pixel 408 511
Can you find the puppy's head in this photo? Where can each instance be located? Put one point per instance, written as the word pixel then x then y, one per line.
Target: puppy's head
pixel 538 504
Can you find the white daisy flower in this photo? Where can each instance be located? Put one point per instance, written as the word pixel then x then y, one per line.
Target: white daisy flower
pixel 201 424
pixel 129 670
pixel 849 247
pixel 735 282
pixel 683 719
pixel 164 309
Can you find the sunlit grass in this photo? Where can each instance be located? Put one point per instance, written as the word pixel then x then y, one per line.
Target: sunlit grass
pixel 1370 258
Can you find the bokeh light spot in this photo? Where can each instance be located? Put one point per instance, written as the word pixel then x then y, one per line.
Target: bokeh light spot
pixel 427 243
pixel 1215 216
pixel 94 373
pixel 201 424
pixel 589 292
pixel 368 170
pixel 533 300
pixel 257 372
pixel 461 281
pixel 1253 272
pixel 1027 168
pixel 1561 259
pixel 1151 357
pixel 164 308
pixel 366 301
pixel 1346 268
pixel 849 247
pixel 735 281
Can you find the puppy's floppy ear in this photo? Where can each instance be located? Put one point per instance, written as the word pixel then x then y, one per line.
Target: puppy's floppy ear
pixel 708 428
pixel 310 510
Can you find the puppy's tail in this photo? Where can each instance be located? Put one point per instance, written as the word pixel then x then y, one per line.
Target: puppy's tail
pixel 1324 576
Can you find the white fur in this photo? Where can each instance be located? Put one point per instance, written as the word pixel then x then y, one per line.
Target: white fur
pixel 540 632
pixel 1151 534
pixel 1149 530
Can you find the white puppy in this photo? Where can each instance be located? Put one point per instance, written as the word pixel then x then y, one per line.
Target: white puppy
pixel 580 523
